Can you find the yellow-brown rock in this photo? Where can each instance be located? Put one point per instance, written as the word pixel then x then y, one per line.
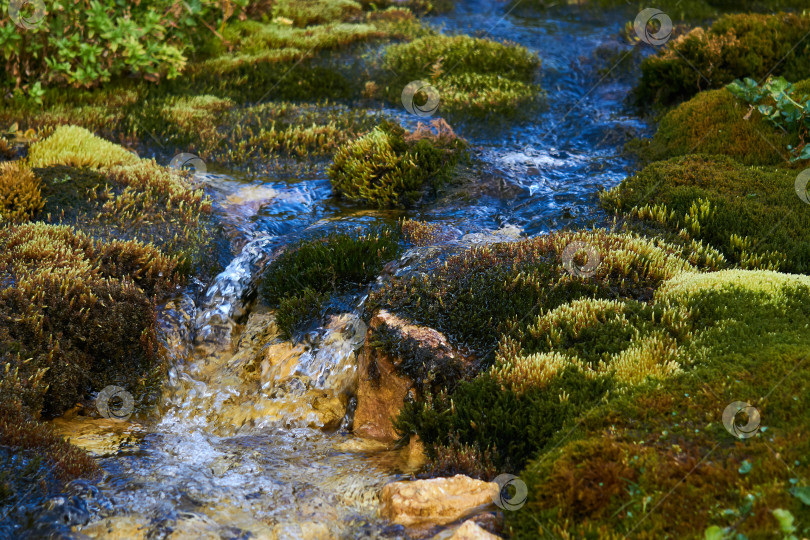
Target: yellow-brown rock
pixel 381 387
pixel 470 530
pixel 437 501
pixel 98 436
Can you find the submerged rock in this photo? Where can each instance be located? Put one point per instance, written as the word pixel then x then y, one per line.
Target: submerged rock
pixel 437 501
pixel 98 436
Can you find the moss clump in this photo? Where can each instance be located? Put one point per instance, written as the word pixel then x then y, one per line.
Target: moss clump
pixel 478 295
pixel 389 167
pixel 660 449
pixel 79 311
pixel 627 340
pixel 75 146
pixel 296 309
pixel 473 76
pixel 302 277
pixel 307 12
pixel 20 193
pixel 715 122
pixel 121 196
pixel 420 233
pixel 509 427
pixel 751 214
pixel 269 135
pixel 734 47
pixel 262 55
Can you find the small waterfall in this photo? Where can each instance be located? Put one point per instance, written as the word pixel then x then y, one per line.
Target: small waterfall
pixel 240 447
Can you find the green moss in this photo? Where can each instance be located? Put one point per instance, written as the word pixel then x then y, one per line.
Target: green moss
pixel 304 275
pixel 296 309
pixel 417 6
pixel 751 214
pixel 298 63
pixel 473 76
pixel 631 463
pixel 734 47
pixel 510 427
pixel 20 192
pixel 256 136
pixel 307 12
pixel 77 147
pixel 478 295
pixel 143 202
pixel 389 167
pixel 715 122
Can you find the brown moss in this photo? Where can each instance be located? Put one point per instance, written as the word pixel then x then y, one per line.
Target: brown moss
pixel 20 194
pixel 420 233
pixel 735 46
pixel 81 309
pixel 460 458
pixel 20 431
pixel 590 477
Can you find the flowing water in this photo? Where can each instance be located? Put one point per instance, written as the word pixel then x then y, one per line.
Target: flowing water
pixel 249 439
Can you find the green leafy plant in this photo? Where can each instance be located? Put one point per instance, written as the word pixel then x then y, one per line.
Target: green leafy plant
pixel 88 42
pixel 776 101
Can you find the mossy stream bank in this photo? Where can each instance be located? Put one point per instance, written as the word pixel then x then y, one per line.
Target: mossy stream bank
pixel 595 287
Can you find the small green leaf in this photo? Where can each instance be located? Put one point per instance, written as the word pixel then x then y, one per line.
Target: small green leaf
pixel 785 519
pixel 745 468
pixel 714 533
pixel 801 493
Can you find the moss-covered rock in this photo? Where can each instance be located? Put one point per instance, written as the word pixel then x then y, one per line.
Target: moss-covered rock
pixel 753 215
pixel 660 449
pixel 79 311
pixel 389 167
pixel 735 46
pixel 717 123
pixel 302 277
pixel 78 147
pixel 473 76
pixel 255 137
pixel 297 56
pixel 476 296
pixel 306 12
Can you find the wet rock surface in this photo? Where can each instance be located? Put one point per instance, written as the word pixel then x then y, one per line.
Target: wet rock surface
pixel 437 501
pixel 99 436
pixel 383 384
